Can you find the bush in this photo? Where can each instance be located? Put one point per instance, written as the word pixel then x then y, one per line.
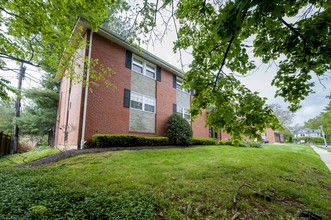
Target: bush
pixel 251 144
pixel 315 140
pixel 222 142
pixel 124 140
pixel 203 141
pixel 178 130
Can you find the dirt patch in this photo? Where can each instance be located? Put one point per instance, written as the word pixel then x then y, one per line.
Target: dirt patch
pixel 72 153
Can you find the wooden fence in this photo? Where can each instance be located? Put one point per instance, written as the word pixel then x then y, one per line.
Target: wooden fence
pixel 6 142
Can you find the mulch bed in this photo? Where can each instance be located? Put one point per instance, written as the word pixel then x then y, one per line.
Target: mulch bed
pixel 72 153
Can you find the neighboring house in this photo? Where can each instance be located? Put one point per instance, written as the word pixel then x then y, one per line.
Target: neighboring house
pixel 146 91
pixel 273 136
pixel 307 132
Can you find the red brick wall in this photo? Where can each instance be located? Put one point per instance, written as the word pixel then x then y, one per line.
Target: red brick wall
pixel 70 120
pixel 105 111
pixel 165 98
pixel 198 126
pixel 224 136
pixel 270 135
pixel 62 112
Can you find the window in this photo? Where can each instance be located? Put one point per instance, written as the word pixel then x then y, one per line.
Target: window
pixel 149 104
pixel 137 66
pixel 179 84
pixel 144 68
pixel 184 112
pixel 212 133
pixel 141 102
pixel 150 71
pixel 136 101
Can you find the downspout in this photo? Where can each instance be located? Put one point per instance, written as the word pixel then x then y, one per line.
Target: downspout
pixel 82 141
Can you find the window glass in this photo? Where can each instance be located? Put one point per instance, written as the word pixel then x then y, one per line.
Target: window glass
pixel 150 68
pixel 180 110
pixel 136 101
pixel 179 83
pixel 138 62
pixel 137 66
pixel 186 90
pixel 150 73
pixel 142 67
pixel 184 112
pixel 187 115
pixel 149 104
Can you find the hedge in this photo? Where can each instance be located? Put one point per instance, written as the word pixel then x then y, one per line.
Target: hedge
pixel 124 140
pixel 251 144
pixel 315 140
pixel 203 141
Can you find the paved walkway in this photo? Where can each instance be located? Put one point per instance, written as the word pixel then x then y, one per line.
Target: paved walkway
pixel 325 156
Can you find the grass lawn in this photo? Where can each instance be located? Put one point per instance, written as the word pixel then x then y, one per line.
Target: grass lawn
pixel 216 182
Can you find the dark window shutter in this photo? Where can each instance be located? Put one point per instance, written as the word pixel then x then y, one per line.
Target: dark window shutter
pixel 126 98
pixel 192 92
pixel 174 108
pixel 158 73
pixel 174 82
pixel 128 59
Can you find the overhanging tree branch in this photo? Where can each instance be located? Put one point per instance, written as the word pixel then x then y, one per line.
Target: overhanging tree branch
pixel 6 56
pixel 297 33
pixel 223 61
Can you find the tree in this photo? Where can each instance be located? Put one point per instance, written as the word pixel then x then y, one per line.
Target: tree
pixel 323 119
pixel 39 117
pixel 38 32
pixel 284 117
pixel 7 113
pixel 218 33
pixel 221 35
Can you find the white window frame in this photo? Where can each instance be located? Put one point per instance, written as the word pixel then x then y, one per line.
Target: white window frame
pixel 179 84
pixel 140 100
pixel 144 64
pixel 145 100
pixel 183 111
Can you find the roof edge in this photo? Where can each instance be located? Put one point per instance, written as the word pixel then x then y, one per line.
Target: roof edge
pixel 143 53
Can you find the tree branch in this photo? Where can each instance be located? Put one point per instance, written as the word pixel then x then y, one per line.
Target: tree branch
pixel 223 61
pixel 226 53
pixel 18 59
pixel 298 34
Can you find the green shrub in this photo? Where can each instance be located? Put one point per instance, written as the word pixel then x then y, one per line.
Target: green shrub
pixel 222 142
pixel 203 141
pixel 178 130
pixel 315 140
pixel 124 140
pixel 251 144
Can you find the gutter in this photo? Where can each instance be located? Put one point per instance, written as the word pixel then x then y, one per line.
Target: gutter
pixel 82 141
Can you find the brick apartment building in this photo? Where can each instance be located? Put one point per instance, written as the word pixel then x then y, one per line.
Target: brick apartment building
pixel 146 91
